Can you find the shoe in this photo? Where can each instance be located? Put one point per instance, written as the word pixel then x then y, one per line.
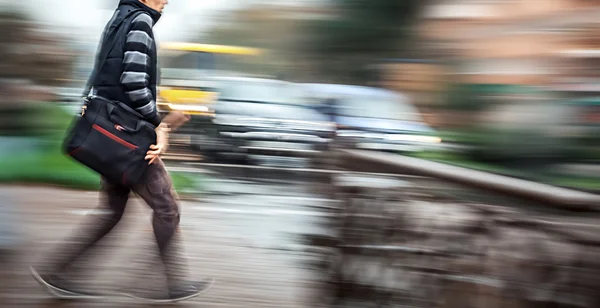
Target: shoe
pixel 190 290
pixel 183 292
pixel 59 286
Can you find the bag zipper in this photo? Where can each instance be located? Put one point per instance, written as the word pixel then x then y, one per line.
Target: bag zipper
pixel 113 137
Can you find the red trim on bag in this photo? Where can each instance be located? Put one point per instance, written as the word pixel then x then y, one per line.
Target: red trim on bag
pixel 74 151
pixel 113 137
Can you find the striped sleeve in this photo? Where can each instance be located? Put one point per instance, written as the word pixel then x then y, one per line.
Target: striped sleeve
pixel 137 65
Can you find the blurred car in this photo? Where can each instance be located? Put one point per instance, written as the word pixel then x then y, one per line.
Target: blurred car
pixel 186 85
pixel 262 119
pixel 187 70
pixel 372 118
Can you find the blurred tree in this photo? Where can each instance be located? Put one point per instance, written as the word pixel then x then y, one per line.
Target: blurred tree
pixel 277 28
pixel 361 33
pixel 30 58
pixel 13 28
pixel 328 43
pixel 28 53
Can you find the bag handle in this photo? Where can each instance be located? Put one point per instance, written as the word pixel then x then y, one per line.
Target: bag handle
pixel 105 50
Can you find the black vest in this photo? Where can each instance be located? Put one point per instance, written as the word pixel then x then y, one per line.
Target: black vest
pixel 107 81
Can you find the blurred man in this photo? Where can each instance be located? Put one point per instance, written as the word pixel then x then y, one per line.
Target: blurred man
pixel 129 74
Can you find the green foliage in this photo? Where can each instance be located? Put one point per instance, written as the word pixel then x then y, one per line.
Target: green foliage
pixel 54 168
pixel 461 97
pixel 48 167
pixel 363 32
pixel 549 176
pixel 32 119
pixel 364 26
pixel 46 164
pixel 461 160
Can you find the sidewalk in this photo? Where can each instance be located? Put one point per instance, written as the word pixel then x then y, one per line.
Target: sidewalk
pixel 247 276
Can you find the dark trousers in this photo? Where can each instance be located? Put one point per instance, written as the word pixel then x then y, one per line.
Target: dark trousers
pixel 156 189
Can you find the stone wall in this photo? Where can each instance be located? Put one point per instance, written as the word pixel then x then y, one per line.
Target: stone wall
pixel 402 247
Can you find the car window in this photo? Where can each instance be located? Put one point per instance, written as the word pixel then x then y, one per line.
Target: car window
pixel 299 113
pixel 389 107
pixel 262 92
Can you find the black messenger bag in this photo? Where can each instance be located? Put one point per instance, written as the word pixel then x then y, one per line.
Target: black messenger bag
pixel 110 137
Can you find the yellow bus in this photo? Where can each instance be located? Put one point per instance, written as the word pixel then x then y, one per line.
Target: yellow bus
pixel 187 69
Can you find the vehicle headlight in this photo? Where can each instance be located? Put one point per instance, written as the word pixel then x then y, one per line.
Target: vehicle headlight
pixel 415 138
pixel 235 120
pixel 350 134
pixel 314 126
pixel 257 122
pixel 196 108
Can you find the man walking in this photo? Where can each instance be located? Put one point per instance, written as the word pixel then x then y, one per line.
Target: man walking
pixel 129 75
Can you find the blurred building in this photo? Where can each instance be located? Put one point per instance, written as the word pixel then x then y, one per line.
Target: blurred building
pixel 520 42
pixel 420 79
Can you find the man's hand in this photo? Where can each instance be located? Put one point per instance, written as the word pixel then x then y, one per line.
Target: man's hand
pixel 171 122
pixel 176 119
pixel 162 143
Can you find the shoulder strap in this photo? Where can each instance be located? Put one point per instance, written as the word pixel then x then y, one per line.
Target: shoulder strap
pixel 105 49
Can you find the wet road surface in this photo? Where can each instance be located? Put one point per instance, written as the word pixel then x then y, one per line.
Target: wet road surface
pixel 247 232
